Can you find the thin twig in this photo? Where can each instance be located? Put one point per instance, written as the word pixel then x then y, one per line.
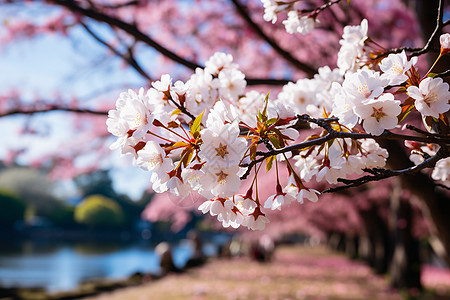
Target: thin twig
pixel 426 133
pixel 128 28
pixel 380 174
pixel 321 8
pixel 427 47
pixel 444 74
pixel 310 71
pixel 333 134
pixel 127 58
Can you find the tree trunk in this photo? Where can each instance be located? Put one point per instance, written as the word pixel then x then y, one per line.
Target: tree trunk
pixel 436 202
pixel 352 246
pixel 379 246
pixel 405 264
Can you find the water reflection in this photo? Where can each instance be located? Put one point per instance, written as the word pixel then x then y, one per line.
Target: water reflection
pixel 62 266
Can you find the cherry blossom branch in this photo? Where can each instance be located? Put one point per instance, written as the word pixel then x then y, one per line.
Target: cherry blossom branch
pixel 120 5
pixel 50 109
pixel 444 74
pixel 126 57
pixel 321 8
pixel 427 47
pixel 437 29
pixel 379 174
pixel 387 135
pixel 429 134
pixel 310 71
pixel 134 31
pixel 333 134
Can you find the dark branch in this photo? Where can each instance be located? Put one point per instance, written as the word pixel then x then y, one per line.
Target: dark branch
pixel 427 47
pixel 310 71
pixel 52 108
pixel 321 8
pixel 437 29
pixel 267 81
pixel 120 5
pixel 128 28
pixel 140 36
pixel 379 174
pixel 333 134
pixel 426 133
pixel 127 58
pixel 444 74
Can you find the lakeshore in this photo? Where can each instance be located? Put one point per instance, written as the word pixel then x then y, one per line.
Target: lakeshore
pixel 295 272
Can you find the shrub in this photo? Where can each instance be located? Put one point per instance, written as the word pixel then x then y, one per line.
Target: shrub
pixel 99 212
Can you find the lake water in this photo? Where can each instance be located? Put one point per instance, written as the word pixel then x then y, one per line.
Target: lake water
pixel 59 266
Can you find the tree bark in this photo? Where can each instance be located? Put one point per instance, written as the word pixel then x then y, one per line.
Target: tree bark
pixel 379 240
pixel 435 200
pixel 406 262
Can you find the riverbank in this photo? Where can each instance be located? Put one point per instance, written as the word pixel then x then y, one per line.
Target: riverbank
pixel 296 272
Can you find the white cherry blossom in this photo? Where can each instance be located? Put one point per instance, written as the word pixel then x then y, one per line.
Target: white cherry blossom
pixel 257 222
pixel 395 66
pixel 307 194
pixel 202 93
pixel 222 146
pixel 432 96
pixel 298 96
pixel 351 55
pixel 153 158
pixel 363 85
pixel 231 84
pixel 213 206
pixel 294 24
pixel 164 84
pixel 218 62
pixel 220 181
pixel 441 171
pixel 279 199
pixel 379 114
pixel 134 110
pixel 444 39
pixel 271 9
pixel 343 107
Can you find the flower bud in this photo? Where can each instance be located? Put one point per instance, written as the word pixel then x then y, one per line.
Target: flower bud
pixel 445 43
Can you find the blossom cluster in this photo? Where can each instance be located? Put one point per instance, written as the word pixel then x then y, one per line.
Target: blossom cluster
pixel 208 134
pixel 303 23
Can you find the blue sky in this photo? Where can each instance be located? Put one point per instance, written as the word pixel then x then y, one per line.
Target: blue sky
pixel 53 63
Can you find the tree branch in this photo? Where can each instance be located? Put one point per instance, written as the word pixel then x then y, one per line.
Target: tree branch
pixel 310 71
pixel 321 8
pixel 333 134
pixel 379 174
pixel 142 37
pixel 427 47
pixel 127 58
pixel 53 108
pixel 128 28
pixel 267 81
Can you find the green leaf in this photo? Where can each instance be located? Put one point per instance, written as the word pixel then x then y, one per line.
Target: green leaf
pixel 400 90
pixel 407 107
pixel 186 156
pixel 253 152
pixel 432 75
pixel 274 140
pixel 269 162
pixel 178 144
pixel 176 112
pixel 196 124
pixel 263 115
pixel 271 121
